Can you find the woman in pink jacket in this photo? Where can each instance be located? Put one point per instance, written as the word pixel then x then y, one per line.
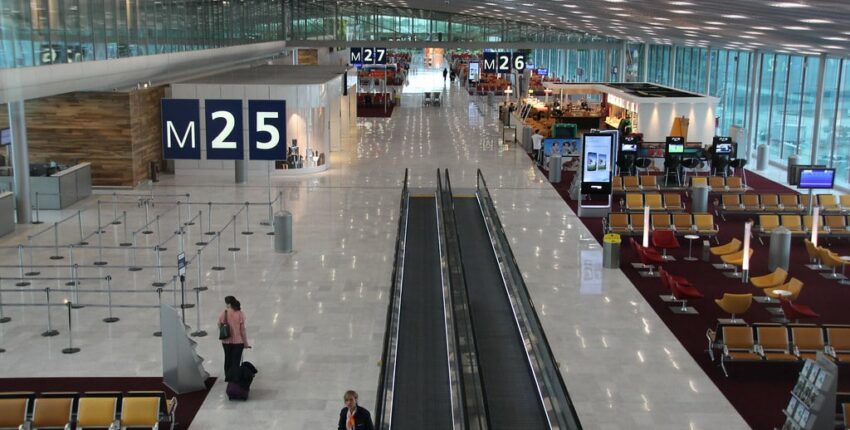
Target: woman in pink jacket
pixel 238 339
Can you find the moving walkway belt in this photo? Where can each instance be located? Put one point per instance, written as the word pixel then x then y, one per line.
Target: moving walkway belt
pixel 512 396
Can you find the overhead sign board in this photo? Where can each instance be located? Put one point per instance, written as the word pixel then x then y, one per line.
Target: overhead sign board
pixel 224 124
pixel 371 55
pixel 503 62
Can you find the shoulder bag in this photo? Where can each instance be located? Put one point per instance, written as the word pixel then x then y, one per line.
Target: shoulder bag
pixel 224 329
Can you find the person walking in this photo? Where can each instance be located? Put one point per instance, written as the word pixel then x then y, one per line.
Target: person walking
pixel 445 73
pixel 537 145
pixel 352 416
pixel 237 340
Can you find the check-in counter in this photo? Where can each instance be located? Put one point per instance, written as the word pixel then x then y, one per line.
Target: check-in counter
pixel 59 190
pixel 7 213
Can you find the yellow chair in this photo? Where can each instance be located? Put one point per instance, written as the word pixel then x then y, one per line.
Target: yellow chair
pixel 790 202
pixel 734 260
pixel 699 181
pixel 705 226
pixel 634 202
pixel 683 223
pixel 735 183
pixel 738 345
pixel 631 183
pixel 97 412
pixel 839 343
pixel 837 225
pixel 823 230
pixel 673 202
pixel 734 245
pixel 793 224
pixel 734 304
pixel 52 412
pixel 731 203
pixel 750 202
pixel 140 412
pixel 717 183
pixel 774 344
pixel 771 280
pixel 661 222
pixel 832 260
pixel 770 203
pixel 636 223
pixel 653 200
pixel 844 201
pixel 649 182
pixel 807 341
pixel 617 184
pixel 794 286
pixel 13 412
pixel 767 223
pixel 618 223
pixel 828 203
pixel 814 255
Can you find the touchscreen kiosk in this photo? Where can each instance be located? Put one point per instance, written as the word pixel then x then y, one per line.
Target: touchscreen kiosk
pixel 597 150
pixel 473 71
pixel 675 145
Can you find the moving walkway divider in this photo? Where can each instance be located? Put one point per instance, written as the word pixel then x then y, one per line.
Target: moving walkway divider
pixel 553 392
pixel 386 381
pixel 470 385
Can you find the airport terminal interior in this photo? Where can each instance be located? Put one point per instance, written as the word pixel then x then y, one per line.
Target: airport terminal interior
pixel 556 214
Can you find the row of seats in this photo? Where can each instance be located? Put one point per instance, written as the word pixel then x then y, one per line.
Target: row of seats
pixel 643 183
pixel 681 224
pixel 670 202
pixel 774 342
pixel 102 409
pixel 765 202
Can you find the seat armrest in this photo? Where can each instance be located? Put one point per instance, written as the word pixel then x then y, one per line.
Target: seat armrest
pixel 830 351
pixel 758 349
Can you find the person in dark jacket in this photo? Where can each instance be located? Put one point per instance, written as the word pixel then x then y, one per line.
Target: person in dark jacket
pixel 353 417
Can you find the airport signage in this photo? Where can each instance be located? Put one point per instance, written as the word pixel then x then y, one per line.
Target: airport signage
pixel 503 62
pixel 223 121
pixel 360 56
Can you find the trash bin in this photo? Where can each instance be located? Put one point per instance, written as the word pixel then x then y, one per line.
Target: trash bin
pixel 780 249
pixel 761 157
pixel 283 232
pixel 611 251
pixel 154 171
pixel 555 169
pixel 706 250
pixel 699 199
pixel 792 172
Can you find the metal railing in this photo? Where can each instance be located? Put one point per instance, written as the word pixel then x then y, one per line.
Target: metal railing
pixel 386 382
pixel 553 391
pixel 472 382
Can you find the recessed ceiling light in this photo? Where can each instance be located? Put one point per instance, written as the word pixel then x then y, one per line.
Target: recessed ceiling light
pixel 682 11
pixel 832 47
pixel 788 4
pixel 836 38
pixel 797 27
pixel 734 16
pixel 715 22
pixel 681 3
pixel 764 28
pixel 754 32
pixel 816 21
pixel 658 18
pixel 710 28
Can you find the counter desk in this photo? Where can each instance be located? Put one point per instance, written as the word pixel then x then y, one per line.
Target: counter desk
pixel 59 190
pixel 7 213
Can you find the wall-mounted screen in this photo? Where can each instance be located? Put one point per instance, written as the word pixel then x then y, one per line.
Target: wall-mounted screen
pixel 5 136
pixel 597 149
pixel 723 148
pixel 565 147
pixel 542 72
pixel 822 179
pixel 629 147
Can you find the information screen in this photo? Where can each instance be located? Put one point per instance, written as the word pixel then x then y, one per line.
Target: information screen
pixel 723 148
pixel 565 147
pixel 629 147
pixel 675 148
pixel 542 72
pixel 817 178
pixel 5 136
pixel 596 163
pixel 474 71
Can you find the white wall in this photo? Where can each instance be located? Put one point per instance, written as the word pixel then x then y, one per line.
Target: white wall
pixel 656 120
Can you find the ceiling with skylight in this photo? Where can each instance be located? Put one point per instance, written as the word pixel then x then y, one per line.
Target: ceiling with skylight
pixel 785 26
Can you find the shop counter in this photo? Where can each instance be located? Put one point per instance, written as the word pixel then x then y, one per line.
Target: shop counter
pixel 59 190
pixel 7 213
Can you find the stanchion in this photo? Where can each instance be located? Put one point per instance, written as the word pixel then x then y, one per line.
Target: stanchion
pixel 200 242
pixel 115 220
pixel 247 231
pixel 158 282
pixel 271 233
pixel 179 219
pixel 99 221
pixel 174 289
pixel 269 193
pixel 21 283
pixel 70 349
pixel 126 241
pixel 71 267
pixel 233 248
pixel 133 267
pixel 158 237
pixel 198 332
pixel 56 255
pixel 189 214
pixel 100 261
pixel 3 318
pixel 219 267
pixel 209 220
pixel 32 272
pixel 110 318
pixel 50 331
pixel 37 212
pixel 76 282
pixel 82 241
pixel 147 219
pixel 158 333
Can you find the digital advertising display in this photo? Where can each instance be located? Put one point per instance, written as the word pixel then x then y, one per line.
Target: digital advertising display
pixel 474 71
pixel 597 149
pixel 566 147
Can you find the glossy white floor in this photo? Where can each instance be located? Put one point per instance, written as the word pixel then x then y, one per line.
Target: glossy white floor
pixel 317 317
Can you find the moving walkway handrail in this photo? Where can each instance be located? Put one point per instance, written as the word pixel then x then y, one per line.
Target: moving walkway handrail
pixel 386 381
pixel 472 383
pixel 558 405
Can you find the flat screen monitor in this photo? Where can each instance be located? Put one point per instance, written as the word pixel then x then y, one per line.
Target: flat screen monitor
pixel 474 71
pixel 628 147
pixel 675 148
pixel 723 148
pixel 5 136
pixel 821 179
pixel 566 147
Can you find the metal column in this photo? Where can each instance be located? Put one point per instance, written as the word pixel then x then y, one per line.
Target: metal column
pixel 818 108
pixel 755 92
pixel 239 171
pixel 645 73
pixel 20 160
pixel 621 75
pixel 708 70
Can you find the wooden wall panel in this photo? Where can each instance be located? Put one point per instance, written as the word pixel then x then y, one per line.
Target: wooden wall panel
pixel 307 56
pixel 146 130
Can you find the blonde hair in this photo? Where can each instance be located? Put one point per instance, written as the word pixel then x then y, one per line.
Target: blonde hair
pixel 350 393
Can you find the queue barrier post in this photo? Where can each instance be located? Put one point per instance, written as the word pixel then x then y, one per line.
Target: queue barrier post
pixel 70 349
pixel 158 333
pixel 133 267
pixel 233 248
pixel 219 267
pixel 100 261
pixel 56 255
pixel 22 282
pixel 147 218
pixel 37 212
pixel 115 220
pixel 110 318
pixel 3 319
pixel 201 241
pixel 32 272
pixel 199 332
pixel 82 241
pixel 158 282
pixel 126 241
pixel 50 330
pixel 247 231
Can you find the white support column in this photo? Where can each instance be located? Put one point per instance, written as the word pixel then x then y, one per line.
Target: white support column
pixel 672 66
pixel 818 108
pixel 606 71
pixel 707 70
pixel 755 90
pixel 622 63
pixel 20 161
pixel 644 74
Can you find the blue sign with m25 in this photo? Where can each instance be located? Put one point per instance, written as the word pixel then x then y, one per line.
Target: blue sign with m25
pixel 224 130
pixel 181 130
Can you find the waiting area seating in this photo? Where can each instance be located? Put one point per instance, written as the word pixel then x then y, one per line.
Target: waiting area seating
pixel 650 183
pixel 101 409
pixel 680 223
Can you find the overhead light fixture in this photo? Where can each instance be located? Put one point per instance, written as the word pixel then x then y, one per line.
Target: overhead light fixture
pixel 764 28
pixel 797 27
pixel 788 4
pixel 836 38
pixel 681 3
pixel 734 16
pixel 715 22
pixel 832 47
pixel 682 11
pixel 816 21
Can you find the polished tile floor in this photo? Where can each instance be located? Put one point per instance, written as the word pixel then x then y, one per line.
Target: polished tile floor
pixel 316 317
